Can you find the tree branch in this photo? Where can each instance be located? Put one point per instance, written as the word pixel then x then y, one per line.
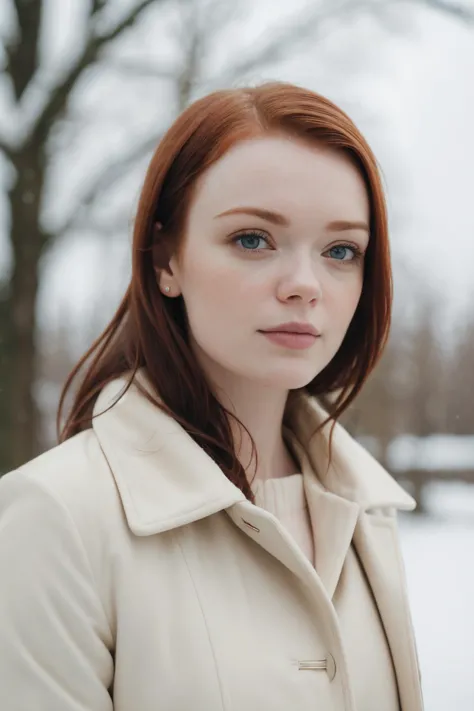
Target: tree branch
pixel 6 148
pixel 21 51
pixel 305 27
pixel 109 176
pixel 461 12
pixel 292 33
pixel 194 33
pixel 91 51
pixel 116 224
pixel 96 7
pixel 194 50
pixel 142 69
pixel 114 171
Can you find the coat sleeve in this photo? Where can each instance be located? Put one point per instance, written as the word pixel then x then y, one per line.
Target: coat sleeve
pixel 54 636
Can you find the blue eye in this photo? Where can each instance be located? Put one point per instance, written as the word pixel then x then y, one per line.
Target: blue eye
pixel 251 241
pixel 355 251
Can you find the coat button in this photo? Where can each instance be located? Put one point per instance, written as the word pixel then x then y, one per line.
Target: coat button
pixel 330 666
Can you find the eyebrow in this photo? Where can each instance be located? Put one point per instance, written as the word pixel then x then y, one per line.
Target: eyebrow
pixel 277 218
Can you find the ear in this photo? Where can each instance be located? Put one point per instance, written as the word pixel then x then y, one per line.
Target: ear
pixel 163 264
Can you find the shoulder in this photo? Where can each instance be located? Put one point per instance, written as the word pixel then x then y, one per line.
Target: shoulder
pixel 67 491
pixel 75 474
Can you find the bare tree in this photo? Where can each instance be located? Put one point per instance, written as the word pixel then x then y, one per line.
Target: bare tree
pixel 407 393
pixel 41 101
pixel 378 411
pixel 28 156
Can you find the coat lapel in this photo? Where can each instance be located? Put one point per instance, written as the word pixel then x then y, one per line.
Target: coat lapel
pixel 376 543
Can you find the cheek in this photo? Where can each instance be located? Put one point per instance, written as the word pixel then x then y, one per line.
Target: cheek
pixel 217 291
pixel 343 298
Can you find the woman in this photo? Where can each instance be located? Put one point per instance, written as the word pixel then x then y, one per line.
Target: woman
pixel 199 539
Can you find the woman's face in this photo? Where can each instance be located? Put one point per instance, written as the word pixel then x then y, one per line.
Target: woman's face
pixel 273 236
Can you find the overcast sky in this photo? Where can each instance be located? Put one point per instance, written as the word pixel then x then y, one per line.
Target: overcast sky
pixel 437 81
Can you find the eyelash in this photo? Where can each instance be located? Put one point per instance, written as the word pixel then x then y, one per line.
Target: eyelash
pixel 358 254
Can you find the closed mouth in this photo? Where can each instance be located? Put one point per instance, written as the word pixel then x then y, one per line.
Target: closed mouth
pixel 296 329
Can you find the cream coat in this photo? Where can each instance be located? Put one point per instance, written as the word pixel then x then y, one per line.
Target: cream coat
pixel 136 577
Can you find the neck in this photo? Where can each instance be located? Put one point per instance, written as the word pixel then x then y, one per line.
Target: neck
pixel 261 410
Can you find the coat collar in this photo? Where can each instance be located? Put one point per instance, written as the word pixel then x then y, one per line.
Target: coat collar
pixel 166 480
pixel 353 473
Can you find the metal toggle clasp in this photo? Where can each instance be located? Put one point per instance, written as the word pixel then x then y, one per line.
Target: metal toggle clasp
pixel 327 664
pixel 312 664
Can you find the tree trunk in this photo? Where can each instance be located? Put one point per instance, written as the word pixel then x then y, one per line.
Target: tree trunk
pixel 18 410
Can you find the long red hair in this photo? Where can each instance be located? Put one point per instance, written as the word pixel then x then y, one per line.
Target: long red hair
pixel 149 330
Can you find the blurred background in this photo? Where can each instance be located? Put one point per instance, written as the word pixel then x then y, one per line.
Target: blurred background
pixel 87 87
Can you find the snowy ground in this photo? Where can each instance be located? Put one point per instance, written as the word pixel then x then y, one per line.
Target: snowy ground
pixel 439 558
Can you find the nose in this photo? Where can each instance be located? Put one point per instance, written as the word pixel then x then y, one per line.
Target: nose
pixel 300 283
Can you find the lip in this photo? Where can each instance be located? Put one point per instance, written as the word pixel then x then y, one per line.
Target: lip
pixel 293 327
pixel 287 339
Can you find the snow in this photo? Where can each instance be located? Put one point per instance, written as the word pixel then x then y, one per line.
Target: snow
pixel 437 451
pixel 438 551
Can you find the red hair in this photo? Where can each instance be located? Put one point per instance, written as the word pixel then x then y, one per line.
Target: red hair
pixel 149 330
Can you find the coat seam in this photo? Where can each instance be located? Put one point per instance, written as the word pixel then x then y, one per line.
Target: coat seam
pixel 198 597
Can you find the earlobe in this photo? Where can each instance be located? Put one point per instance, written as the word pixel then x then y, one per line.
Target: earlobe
pixel 164 283
pixel 162 263
pixel 169 291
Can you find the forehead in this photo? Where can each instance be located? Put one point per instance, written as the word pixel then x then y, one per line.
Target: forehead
pixel 284 173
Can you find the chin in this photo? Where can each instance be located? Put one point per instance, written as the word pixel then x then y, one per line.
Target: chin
pixel 288 378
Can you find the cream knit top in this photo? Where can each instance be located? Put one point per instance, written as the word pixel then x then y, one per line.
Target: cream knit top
pixel 372 673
